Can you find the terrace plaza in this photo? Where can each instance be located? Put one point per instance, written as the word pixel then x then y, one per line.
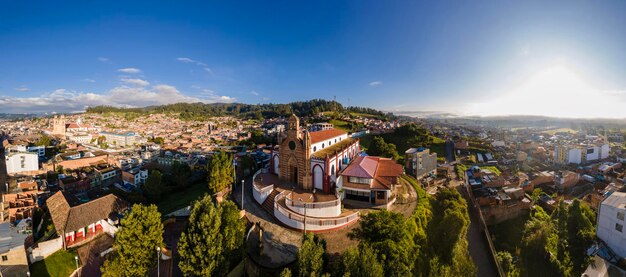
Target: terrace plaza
pixel 300 186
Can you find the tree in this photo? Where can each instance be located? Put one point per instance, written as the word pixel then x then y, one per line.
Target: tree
pixel 213 240
pixel 536 194
pixel 361 261
pixel 153 188
pixel 581 234
pixel 388 233
pixel 220 172
pixel 447 232
pixel 506 261
pixel 141 232
pixel 159 140
pixel 539 246
pixel 180 175
pixel 44 140
pixel 311 256
pixel 379 147
pixel 286 272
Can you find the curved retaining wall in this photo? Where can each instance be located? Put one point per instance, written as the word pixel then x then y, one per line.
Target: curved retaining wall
pixel 316 209
pixel 260 194
pixel 296 221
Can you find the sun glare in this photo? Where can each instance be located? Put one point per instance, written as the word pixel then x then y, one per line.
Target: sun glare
pixel 554 91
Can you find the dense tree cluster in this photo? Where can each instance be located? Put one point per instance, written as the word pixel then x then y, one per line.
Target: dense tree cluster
pixel 134 254
pixel 199 111
pixel 378 147
pixel 214 239
pixel 557 244
pixel 430 243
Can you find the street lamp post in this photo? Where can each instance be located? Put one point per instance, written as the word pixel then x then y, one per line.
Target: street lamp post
pixel 242 185
pixel 76 260
pixel 158 249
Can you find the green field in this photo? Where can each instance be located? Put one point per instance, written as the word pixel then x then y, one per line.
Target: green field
pixel 402 143
pixel 560 130
pixel 60 264
pixel 340 124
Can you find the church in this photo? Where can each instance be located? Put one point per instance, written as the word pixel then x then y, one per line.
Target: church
pixel 312 160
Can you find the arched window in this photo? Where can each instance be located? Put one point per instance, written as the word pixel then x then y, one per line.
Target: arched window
pixel 314 148
pixel 332 170
pixel 322 146
pixel 329 142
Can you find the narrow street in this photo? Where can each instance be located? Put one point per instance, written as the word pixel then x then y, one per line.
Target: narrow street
pixel 478 245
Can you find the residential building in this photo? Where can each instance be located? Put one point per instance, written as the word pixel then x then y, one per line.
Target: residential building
pixel 80 138
pixel 18 206
pixel 40 150
pixel 321 126
pixel 371 180
pixel 19 162
pixel 565 180
pixel 611 222
pixel 3 167
pixel 80 223
pixel 120 139
pixel 577 154
pixel 135 176
pixel 13 259
pixel 420 162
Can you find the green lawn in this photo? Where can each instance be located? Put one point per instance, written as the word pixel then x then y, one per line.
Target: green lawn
pixel 180 199
pixel 60 264
pixel 340 124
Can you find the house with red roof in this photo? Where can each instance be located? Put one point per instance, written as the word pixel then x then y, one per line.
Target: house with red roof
pixel 370 180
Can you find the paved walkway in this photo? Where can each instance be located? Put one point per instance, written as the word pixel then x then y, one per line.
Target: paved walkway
pixel 478 245
pixel 288 239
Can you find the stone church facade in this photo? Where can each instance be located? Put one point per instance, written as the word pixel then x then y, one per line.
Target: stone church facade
pixel 312 160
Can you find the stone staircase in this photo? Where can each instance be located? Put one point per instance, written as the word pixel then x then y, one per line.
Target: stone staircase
pixel 268 204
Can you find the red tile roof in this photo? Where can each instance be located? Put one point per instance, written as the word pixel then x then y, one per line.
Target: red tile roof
pixel 320 136
pixel 377 168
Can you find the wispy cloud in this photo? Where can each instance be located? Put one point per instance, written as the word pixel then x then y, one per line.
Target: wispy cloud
pixel 62 100
pixel 136 82
pixel 375 83
pixel 129 70
pixel 254 93
pixel 22 89
pixel 89 80
pixel 198 63
pixel 104 60
pixel 188 60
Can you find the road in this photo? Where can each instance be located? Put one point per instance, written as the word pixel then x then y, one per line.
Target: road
pixel 478 245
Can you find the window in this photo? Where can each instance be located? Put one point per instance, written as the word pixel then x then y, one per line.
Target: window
pixel 322 146
pixel 314 148
pixel 332 170
pixel 359 180
pixel 5 258
pixel 620 215
pixel 619 227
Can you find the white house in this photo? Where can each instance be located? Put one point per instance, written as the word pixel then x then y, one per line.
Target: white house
pixel 21 162
pixel 611 222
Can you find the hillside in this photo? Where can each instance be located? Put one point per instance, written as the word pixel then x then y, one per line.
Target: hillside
pixel 199 111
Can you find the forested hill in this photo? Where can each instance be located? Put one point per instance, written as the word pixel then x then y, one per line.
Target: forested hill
pixel 256 111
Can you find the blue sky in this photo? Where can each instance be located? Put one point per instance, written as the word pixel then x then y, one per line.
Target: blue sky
pixel 456 56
